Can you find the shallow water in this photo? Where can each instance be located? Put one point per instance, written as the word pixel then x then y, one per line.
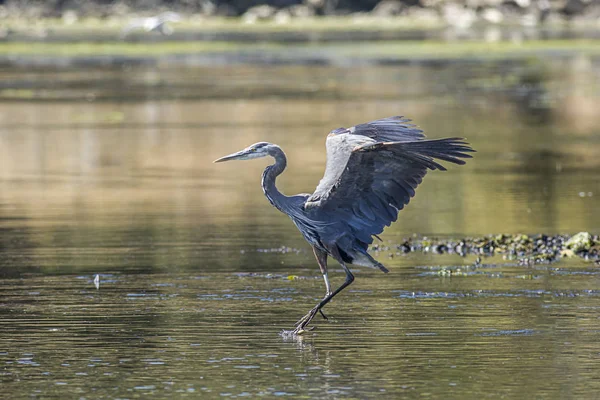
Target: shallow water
pixel 108 171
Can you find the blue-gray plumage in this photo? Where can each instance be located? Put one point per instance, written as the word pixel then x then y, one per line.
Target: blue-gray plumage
pixel 372 172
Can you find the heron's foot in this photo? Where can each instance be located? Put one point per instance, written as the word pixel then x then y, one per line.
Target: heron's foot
pixel 295 333
pixel 300 331
pixel 307 318
pixel 302 322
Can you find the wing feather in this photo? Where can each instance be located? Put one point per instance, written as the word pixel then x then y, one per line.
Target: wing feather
pixel 373 170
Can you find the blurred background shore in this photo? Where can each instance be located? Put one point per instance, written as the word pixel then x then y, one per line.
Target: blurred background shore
pixel 461 13
pixel 298 20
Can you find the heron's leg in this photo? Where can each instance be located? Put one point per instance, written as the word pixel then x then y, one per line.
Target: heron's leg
pixel 321 257
pixel 300 325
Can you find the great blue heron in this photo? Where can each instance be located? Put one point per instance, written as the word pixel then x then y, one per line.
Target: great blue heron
pixel 372 172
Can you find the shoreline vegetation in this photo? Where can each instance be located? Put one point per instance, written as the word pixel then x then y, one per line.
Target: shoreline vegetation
pixel 408 49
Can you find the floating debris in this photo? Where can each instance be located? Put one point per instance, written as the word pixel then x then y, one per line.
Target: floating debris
pixel 282 250
pixel 526 249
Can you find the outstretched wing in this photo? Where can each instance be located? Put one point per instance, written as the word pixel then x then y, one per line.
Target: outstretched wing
pixel 373 170
pixel 391 129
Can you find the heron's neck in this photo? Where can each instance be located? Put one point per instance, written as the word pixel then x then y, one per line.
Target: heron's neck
pixel 271 173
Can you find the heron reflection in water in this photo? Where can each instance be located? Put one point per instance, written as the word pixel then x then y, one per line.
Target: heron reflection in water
pixel 372 172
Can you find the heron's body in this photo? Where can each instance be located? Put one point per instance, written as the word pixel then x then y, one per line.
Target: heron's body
pixel 372 172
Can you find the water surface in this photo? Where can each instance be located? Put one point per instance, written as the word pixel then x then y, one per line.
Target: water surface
pixel 109 171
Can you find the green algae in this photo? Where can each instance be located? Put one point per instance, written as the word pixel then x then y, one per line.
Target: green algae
pixel 116 48
pixel 466 49
pixel 398 50
pixel 233 24
pixel 352 22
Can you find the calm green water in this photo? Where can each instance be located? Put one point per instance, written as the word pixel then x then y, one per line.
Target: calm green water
pixel 108 171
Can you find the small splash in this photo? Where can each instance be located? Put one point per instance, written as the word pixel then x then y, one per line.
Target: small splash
pixel 289 335
pixel 281 250
pixel 293 335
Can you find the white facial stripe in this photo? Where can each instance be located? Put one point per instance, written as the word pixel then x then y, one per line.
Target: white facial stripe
pixel 254 154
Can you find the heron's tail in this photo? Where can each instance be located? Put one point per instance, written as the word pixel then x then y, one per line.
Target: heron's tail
pixel 361 257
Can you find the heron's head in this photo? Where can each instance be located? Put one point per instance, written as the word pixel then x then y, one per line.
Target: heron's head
pixel 257 150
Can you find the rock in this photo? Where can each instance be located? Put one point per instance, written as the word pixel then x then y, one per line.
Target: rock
pixel 423 15
pixel 388 8
pixel 301 11
pixel 69 17
pixel 480 4
pixel 328 7
pixel 523 3
pixel 579 242
pixel 208 7
pixel 575 7
pixel 458 16
pixel 315 3
pixel 282 16
pixel 226 10
pixel 567 253
pixel 432 3
pixel 461 14
pixel 259 13
pixel 492 15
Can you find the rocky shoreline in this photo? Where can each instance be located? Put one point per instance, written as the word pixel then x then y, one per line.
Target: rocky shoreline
pixel 524 249
pixel 457 13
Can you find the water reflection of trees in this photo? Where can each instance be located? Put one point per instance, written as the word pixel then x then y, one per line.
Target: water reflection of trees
pixel 128 177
